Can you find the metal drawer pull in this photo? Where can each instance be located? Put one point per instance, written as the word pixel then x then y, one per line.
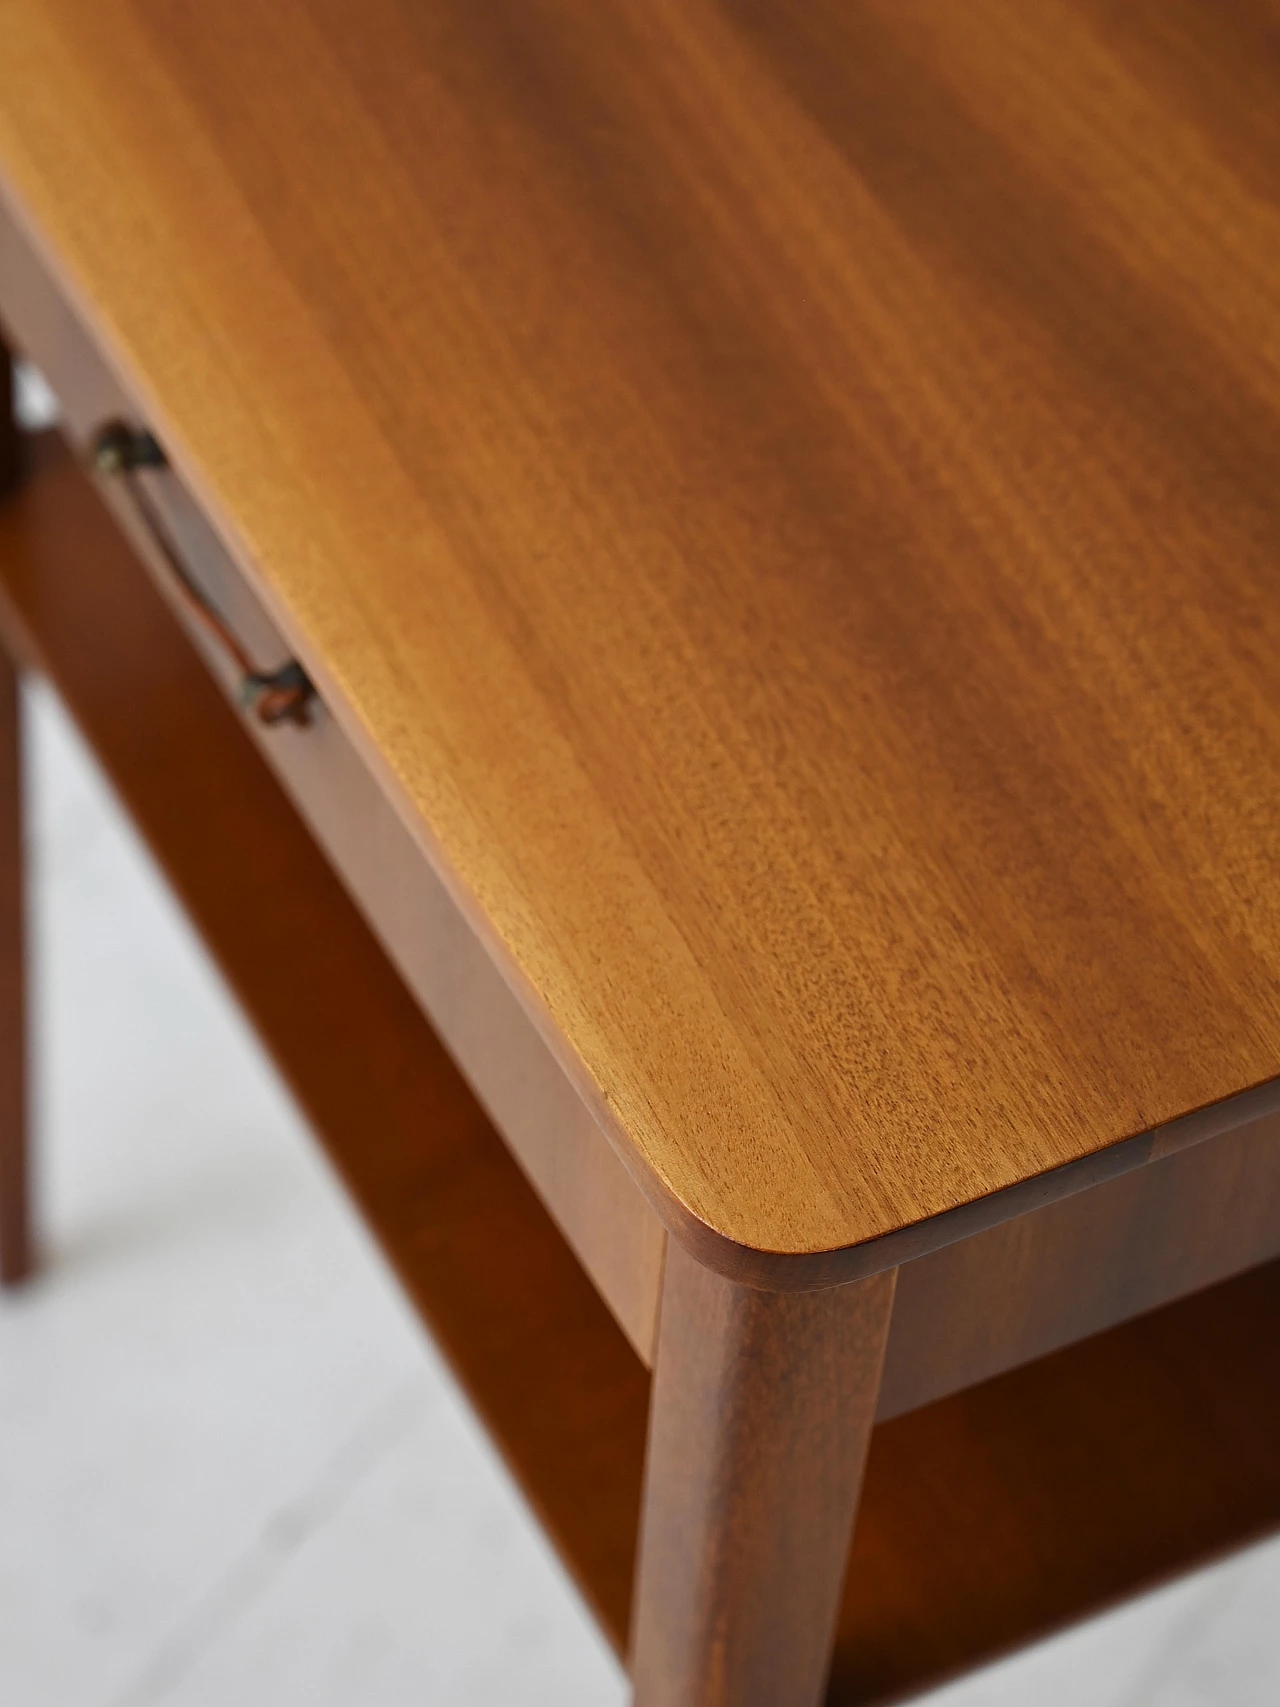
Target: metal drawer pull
pixel 274 696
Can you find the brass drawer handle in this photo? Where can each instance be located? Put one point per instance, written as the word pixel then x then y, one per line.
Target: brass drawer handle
pixel 274 696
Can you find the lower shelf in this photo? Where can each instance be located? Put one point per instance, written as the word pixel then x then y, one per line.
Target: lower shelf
pixel 988 1518
pixel 1004 1512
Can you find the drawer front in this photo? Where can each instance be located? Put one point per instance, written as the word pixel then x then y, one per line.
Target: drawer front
pixel 550 1130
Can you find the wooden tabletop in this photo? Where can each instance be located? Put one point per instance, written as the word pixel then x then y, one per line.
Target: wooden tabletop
pixel 791 494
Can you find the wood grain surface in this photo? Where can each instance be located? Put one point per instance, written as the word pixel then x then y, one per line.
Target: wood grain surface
pixel 787 495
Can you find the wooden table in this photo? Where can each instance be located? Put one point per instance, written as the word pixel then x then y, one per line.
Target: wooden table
pixel 731 747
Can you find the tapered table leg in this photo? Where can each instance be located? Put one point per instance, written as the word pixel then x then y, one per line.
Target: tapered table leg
pixel 10 438
pixel 16 1243
pixel 763 1405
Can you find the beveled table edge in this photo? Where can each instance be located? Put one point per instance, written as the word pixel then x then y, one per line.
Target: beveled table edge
pixel 791 1271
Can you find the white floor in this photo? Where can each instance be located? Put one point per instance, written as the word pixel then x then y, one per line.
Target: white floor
pixel 231 1469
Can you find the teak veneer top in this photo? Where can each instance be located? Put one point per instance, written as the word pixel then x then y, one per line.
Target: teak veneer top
pixel 790 496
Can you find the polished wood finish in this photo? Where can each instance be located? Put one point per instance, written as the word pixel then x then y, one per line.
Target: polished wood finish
pixel 787 494
pixel 17 1242
pixel 763 1405
pixel 778 505
pixel 1083 1264
pixel 560 1390
pixel 546 1123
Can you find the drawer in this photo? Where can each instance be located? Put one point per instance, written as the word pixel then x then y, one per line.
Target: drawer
pixel 546 1124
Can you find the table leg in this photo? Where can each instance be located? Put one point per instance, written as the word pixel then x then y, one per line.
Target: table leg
pixel 10 438
pixel 762 1411
pixel 16 1244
